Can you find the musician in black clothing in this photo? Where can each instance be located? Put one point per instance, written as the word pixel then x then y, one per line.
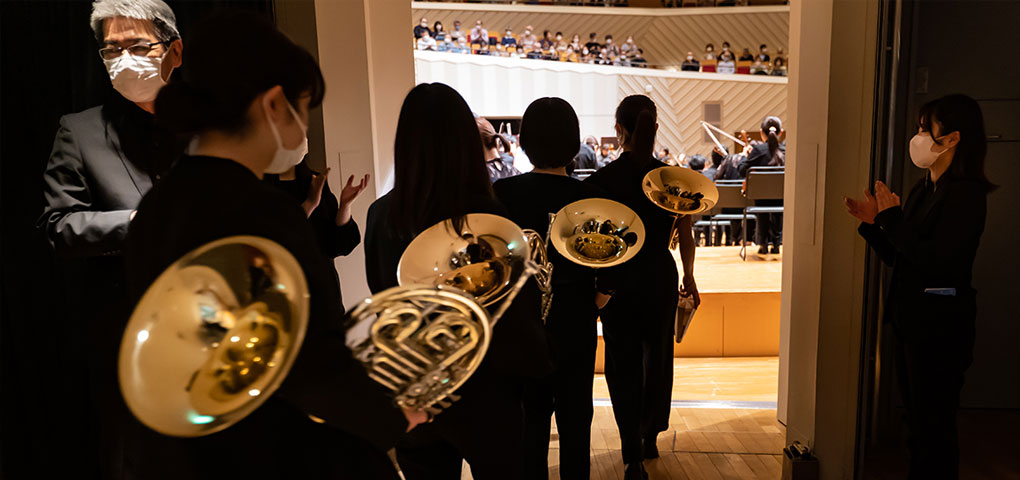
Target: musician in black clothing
pixel 772 153
pixel 637 323
pixel 549 130
pixel 337 233
pixel 930 243
pixel 440 176
pixel 328 419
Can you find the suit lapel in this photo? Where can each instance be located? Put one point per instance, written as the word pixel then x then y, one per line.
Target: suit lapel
pixel 139 179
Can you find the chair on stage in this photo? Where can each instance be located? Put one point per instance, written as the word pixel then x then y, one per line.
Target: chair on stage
pixel 762 183
pixel 730 197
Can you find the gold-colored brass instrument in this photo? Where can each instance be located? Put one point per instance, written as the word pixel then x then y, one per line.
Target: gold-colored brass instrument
pixel 214 336
pixel 680 190
pixel 597 232
pixel 424 339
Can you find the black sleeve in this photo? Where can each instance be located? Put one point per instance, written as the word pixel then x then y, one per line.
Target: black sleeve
pixel 334 240
pixel 378 270
pixel 948 250
pixel 756 158
pixel 875 237
pixel 73 227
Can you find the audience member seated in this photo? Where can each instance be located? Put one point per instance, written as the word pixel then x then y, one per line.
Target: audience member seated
pixel 612 48
pixel 528 40
pixel 426 42
pixel 778 67
pixel 575 43
pixel 457 34
pixel 690 64
pixel 763 54
pixel 479 34
pixel 438 33
pixel 638 60
pixel 709 52
pixel 593 42
pixel 508 38
pixel 726 63
pixel 726 50
pixel 746 56
pixel 628 47
pixel 423 26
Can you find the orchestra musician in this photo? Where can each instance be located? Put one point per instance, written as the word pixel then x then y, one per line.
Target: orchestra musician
pixel 248 115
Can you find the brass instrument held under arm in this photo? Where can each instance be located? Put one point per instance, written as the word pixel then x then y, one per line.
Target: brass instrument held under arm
pixel 597 232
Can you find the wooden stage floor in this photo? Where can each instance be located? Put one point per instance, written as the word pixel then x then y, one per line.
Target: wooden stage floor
pixel 720 270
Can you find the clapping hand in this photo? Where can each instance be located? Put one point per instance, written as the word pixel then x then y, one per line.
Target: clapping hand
pixel 347 196
pixel 865 210
pixel 886 198
pixel 314 193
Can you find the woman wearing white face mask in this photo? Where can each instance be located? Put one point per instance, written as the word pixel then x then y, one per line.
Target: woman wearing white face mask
pixel 930 242
pixel 328 419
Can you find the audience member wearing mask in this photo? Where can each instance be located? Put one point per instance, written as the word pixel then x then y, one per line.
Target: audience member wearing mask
pixel 479 34
pixel 508 38
pixel 726 50
pixel 690 64
pixel 457 34
pixel 337 233
pixel 439 177
pixel 638 60
pixel 548 128
pixel 772 153
pixel 575 43
pixel 499 164
pixel 438 33
pixel 528 40
pixel 242 131
pixel 930 243
pixel 426 42
pixel 763 54
pixel 709 52
pixel 726 63
pixel 421 28
pixel 611 48
pixel 628 47
pixel 103 161
pixel 778 67
pixel 561 44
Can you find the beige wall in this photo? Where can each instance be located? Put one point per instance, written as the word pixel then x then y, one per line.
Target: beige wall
pixel 829 141
pixel 665 34
pixel 368 72
pixel 744 105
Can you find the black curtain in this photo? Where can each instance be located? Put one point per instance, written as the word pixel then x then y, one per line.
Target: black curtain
pixel 49 66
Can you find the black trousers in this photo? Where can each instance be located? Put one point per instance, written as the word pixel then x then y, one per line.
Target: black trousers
pixel 485 427
pixel 637 327
pixel 935 343
pixel 571 328
pixel 769 226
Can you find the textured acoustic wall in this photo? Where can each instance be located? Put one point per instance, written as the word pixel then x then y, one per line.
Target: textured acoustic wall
pixel 503 87
pixel 680 100
pixel 665 34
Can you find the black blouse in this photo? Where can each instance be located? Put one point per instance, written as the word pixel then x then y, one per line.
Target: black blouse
pixel 203 199
pixel 654 264
pixel 930 242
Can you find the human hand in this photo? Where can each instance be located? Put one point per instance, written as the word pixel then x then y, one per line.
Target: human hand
pixel 886 198
pixel 601 299
pixel 347 196
pixel 415 417
pixel 864 210
pixel 690 289
pixel 314 193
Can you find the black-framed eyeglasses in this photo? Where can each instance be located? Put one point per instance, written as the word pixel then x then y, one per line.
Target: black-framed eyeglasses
pixel 138 49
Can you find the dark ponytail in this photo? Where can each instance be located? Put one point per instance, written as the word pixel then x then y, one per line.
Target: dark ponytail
pixel 214 90
pixel 489 137
pixel 772 126
pixel 960 113
pixel 636 115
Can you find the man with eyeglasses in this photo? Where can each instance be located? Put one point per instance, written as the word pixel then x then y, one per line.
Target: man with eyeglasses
pixel 103 161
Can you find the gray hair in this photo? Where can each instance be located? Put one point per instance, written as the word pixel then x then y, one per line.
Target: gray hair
pixel 162 17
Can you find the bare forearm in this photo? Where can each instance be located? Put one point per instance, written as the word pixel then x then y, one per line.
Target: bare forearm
pixel 687 246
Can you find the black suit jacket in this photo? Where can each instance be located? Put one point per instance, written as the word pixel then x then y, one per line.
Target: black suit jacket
pixel 93 182
pixel 930 242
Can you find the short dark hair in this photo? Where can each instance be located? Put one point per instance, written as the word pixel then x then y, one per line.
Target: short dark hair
pixel 960 113
pixel 608 36
pixel 592 35
pixel 761 47
pixel 212 94
pixel 549 132
pixel 697 162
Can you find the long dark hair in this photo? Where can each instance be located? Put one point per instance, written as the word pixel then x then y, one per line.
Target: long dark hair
pixel 439 166
pixel 772 126
pixel 960 113
pixel 636 115
pixel 215 93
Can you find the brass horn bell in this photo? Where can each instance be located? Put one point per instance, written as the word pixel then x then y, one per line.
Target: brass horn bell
pixel 214 336
pixel 680 190
pixel 597 232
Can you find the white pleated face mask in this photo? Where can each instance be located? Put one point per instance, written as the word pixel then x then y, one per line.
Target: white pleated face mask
pixel 285 158
pixel 136 77
pixel 920 151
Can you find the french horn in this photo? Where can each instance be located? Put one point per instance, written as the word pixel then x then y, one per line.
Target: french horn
pixel 214 336
pixel 597 232
pixel 424 339
pixel 680 190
